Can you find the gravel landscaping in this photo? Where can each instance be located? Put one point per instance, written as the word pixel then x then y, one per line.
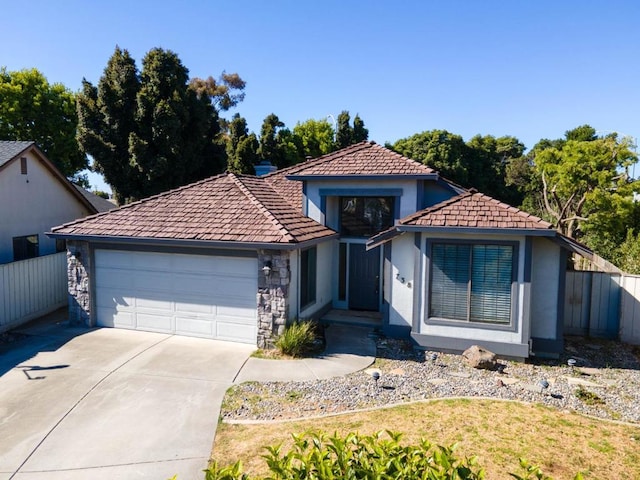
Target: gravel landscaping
pixel 605 382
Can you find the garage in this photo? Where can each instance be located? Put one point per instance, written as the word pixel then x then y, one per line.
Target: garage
pixel 193 295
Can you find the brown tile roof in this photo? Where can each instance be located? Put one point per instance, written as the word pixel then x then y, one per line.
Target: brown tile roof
pixel 364 158
pixel 224 208
pixel 475 210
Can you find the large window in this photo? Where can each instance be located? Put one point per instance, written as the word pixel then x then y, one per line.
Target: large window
pixel 308 270
pixel 471 282
pixel 25 247
pixel 365 216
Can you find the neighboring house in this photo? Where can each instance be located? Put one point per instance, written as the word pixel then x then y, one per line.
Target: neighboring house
pixel 359 234
pixel 34 196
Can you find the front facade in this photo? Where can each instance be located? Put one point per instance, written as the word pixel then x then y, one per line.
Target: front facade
pixel 34 196
pixel 363 231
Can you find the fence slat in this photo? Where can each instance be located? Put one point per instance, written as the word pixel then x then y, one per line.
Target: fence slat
pixel 630 310
pixel 32 288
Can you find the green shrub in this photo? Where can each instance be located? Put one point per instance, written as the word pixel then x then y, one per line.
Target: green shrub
pixel 380 457
pixel 297 338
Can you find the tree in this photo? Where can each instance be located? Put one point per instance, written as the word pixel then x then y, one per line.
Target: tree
pixel 443 151
pixel 33 109
pixel 360 133
pixel 584 179
pixel 154 130
pixel 344 130
pixel 268 149
pixel 315 136
pixel 242 147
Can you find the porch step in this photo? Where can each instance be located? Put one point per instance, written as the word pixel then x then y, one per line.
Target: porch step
pixel 353 317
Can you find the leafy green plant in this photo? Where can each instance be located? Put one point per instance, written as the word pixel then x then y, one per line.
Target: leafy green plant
pixel 298 338
pixel 531 472
pixel 588 397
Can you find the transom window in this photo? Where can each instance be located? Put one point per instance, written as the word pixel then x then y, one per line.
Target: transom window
pixel 25 247
pixel 471 282
pixel 365 216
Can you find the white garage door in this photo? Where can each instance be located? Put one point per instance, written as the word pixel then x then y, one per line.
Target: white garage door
pixel 193 295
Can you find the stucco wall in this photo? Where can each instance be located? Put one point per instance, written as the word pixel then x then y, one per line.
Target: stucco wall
pixel 402 284
pixel 324 275
pixel 32 204
pixel 545 282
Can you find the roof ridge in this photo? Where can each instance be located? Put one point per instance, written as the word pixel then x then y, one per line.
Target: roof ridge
pixel 141 201
pixel 323 158
pixel 247 192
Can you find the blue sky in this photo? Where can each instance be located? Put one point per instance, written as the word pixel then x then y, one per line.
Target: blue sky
pixel 531 69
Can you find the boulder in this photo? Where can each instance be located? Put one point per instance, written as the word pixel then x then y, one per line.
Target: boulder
pixel 478 357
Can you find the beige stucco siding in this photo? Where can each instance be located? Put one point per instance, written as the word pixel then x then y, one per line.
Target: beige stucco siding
pixel 32 204
pixel 324 275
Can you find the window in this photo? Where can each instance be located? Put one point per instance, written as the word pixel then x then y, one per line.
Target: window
pixel 471 282
pixel 61 245
pixel 25 247
pixel 365 216
pixel 23 165
pixel 308 277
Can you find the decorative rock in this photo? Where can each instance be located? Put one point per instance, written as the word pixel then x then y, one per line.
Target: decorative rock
pixel 478 357
pixel 508 380
pixel 588 370
pixel 397 371
pixel 459 374
pixel 437 381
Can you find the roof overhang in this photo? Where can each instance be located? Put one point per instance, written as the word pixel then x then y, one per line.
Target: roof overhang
pixel 186 243
pixel 424 176
pixel 397 230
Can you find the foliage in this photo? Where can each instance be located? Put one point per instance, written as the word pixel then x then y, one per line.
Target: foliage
pixel 153 130
pixel 590 398
pixel 242 147
pixel 33 109
pixel 315 136
pixel 380 456
pixel 481 163
pixel 629 253
pixel 297 338
pixel 344 130
pixel 360 133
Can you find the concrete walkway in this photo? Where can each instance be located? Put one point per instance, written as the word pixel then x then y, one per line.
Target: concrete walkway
pixel 107 403
pixel 348 349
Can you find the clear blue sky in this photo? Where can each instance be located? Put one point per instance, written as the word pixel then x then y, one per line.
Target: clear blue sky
pixel 531 69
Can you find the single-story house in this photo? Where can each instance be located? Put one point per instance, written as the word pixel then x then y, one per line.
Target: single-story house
pixel 363 229
pixel 34 197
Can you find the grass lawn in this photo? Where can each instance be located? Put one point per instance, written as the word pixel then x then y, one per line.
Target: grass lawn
pixel 497 432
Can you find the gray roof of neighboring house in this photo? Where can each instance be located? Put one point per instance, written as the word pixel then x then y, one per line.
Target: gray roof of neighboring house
pixel 100 204
pixel 9 149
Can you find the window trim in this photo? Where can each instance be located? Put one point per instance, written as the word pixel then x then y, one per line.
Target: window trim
pixel 394 212
pixel 309 290
pixel 25 237
pixel 508 327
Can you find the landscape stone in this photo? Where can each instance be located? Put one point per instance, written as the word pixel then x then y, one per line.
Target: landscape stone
pixel 574 381
pixel 479 357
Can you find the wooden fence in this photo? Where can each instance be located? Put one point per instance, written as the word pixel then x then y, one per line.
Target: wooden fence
pixel 32 288
pixel 602 305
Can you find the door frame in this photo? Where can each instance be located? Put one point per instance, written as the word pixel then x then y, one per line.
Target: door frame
pixel 343 304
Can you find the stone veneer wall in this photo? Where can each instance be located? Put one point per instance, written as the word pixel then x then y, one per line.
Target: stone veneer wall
pixel 273 295
pixel 78 268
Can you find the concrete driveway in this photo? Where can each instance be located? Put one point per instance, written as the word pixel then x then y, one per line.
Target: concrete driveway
pixel 107 403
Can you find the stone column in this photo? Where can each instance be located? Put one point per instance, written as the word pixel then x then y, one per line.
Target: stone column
pixel 273 295
pixel 78 268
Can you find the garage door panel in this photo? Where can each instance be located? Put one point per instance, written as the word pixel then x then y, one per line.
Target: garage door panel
pixel 154 322
pixel 236 333
pixel 195 327
pixel 204 296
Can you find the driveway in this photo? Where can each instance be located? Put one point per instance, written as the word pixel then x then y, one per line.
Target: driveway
pixel 108 403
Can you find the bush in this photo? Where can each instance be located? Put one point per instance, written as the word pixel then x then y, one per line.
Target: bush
pixel 298 338
pixel 380 456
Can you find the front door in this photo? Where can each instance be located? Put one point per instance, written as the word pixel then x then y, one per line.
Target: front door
pixel 364 278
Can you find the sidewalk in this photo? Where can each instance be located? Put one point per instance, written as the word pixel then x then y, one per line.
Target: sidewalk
pixel 348 349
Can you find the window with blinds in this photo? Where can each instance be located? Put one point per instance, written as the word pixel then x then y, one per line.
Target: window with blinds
pixel 471 282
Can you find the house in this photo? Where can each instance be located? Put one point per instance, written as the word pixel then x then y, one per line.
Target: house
pixel 34 196
pixel 361 233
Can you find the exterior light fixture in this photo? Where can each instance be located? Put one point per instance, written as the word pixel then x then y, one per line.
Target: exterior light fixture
pixel 434 356
pixel 267 268
pixel 376 376
pixel 571 362
pixel 544 384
